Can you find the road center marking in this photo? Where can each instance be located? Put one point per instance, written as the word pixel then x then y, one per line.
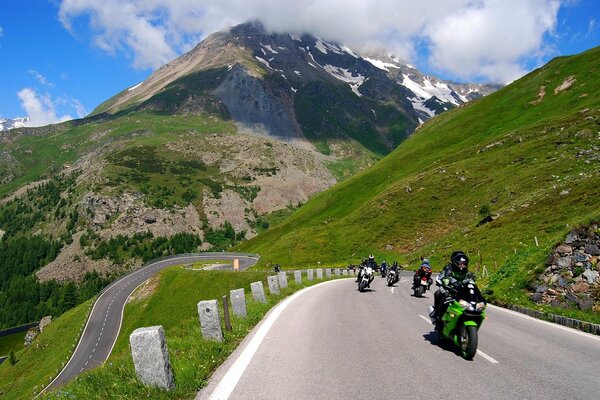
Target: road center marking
pixel 393 290
pixel 490 359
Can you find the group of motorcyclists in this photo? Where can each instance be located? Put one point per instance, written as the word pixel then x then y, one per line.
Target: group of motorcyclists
pixel 455 272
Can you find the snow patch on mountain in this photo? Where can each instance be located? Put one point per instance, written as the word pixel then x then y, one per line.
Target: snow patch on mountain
pixel 8 123
pixel 429 89
pixel 135 87
pixel 266 64
pixel 345 75
pixel 381 64
pixel 268 47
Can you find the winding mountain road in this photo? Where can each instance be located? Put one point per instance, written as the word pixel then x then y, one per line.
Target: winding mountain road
pixel 104 322
pixel 331 342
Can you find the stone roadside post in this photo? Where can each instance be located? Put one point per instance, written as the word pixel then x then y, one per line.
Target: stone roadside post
pixel 283 283
pixel 309 274
pixel 238 302
pixel 151 357
pixel 298 277
pixel 258 291
pixel 328 272
pixel 320 273
pixel 344 272
pixel 273 284
pixel 210 321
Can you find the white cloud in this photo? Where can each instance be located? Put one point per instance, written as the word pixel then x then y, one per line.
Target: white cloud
pixel 41 110
pixel 469 38
pixel 590 31
pixel 40 78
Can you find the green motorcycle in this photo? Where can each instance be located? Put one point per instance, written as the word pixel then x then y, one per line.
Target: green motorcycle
pixel 463 317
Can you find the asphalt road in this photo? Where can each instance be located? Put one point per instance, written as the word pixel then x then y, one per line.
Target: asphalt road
pixel 104 323
pixel 332 342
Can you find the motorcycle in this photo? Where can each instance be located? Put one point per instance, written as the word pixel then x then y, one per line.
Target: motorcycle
pixel 392 277
pixel 383 270
pixel 463 317
pixel 422 284
pixel 363 283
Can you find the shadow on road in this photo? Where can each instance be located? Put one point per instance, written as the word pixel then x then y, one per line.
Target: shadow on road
pixel 433 338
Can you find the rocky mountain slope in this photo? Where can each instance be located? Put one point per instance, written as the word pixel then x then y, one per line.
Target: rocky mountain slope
pixel 297 87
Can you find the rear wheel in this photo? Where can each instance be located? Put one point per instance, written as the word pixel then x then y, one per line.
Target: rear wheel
pixel 468 341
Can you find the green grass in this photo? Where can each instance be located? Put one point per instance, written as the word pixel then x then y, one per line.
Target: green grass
pixel 14 342
pixel 174 306
pixel 39 363
pixel 536 165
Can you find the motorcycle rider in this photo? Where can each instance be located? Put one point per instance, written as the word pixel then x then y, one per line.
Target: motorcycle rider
pixel 458 269
pixel 383 267
pixel 396 269
pixel 423 270
pixel 370 262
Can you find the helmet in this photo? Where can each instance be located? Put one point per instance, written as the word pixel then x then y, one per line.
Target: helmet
pixel 460 261
pixel 371 257
pixel 425 261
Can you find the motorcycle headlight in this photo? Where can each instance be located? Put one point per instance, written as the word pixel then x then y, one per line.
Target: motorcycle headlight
pixel 480 306
pixel 466 305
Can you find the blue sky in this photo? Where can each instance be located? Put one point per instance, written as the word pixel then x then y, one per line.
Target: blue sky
pixel 62 58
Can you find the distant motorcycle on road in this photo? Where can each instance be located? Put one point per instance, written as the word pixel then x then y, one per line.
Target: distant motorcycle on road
pixel 365 279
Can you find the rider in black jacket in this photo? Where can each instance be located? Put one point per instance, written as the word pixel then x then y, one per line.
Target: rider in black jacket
pixel 370 262
pixel 454 272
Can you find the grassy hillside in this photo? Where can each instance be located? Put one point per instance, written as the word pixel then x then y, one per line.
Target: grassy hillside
pixel 528 154
pixel 38 364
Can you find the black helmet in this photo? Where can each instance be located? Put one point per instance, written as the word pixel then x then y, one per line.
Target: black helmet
pixel 460 261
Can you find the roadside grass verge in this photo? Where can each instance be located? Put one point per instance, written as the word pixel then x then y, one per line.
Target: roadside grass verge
pixel 38 364
pixel 174 306
pixel 14 342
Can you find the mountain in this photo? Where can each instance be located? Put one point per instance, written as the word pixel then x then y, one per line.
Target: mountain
pixel 7 123
pixel 297 88
pixel 495 178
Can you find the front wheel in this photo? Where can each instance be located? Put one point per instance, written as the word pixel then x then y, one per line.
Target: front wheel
pixel 468 341
pixel 362 285
pixel 419 291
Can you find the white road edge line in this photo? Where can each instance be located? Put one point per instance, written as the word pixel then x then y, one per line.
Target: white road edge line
pixel 235 372
pixel 392 290
pixel 557 326
pixel 481 353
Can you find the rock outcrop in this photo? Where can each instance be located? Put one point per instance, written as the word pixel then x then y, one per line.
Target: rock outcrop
pixel 572 274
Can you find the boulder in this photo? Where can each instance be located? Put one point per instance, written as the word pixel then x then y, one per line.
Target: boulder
pixel 591 275
pixel 572 237
pixel 564 262
pixel 580 287
pixel 559 304
pixel 44 323
pixel 537 297
pixel 31 335
pixel 564 250
pixel 585 304
pixel 580 257
pixel 550 260
pixel 562 282
pixel 592 249
pixel 541 289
